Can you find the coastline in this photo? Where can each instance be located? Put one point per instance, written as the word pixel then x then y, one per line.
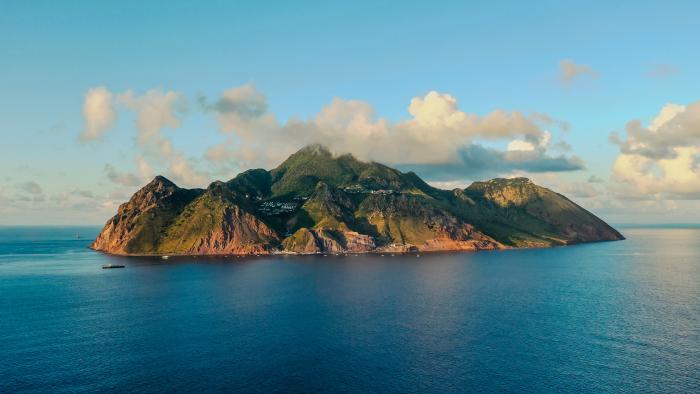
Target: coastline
pixel 348 253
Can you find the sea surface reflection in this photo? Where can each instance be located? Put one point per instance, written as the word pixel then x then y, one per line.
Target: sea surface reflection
pixel 618 316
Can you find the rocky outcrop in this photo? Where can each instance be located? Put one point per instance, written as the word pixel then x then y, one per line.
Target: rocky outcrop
pixel 448 244
pixel 162 218
pixel 358 243
pixel 460 236
pixel 302 241
pixel 237 232
pixel 534 215
pixel 139 222
pixel 307 241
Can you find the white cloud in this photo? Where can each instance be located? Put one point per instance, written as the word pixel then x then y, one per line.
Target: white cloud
pixel 31 187
pixel 70 206
pixel 25 193
pixel 668 112
pixel 144 168
pixel 527 146
pixel 435 133
pixel 579 190
pixel 239 103
pixel 178 169
pixel 182 172
pixel 121 178
pixel 450 185
pixel 570 71
pixel 520 145
pixel 663 70
pixel 219 153
pixel 98 113
pixel 643 177
pixel 662 160
pixel 595 179
pixel 155 110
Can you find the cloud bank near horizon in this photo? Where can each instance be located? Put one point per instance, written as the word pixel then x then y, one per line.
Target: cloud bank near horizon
pixel 657 169
pixel 436 133
pixel 438 139
pixel 662 159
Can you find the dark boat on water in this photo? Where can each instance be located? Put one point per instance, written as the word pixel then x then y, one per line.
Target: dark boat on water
pixel 108 266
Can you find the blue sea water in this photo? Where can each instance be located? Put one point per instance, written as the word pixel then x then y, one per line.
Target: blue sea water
pixel 605 317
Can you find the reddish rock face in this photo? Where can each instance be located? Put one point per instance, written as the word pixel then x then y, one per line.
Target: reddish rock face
pixel 329 241
pixel 155 202
pixel 147 224
pixel 238 233
pixel 358 243
pixel 303 241
pixel 447 244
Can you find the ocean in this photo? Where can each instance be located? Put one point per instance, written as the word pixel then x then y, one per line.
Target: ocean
pixel 603 317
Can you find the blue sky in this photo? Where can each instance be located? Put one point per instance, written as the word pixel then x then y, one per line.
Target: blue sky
pixel 629 59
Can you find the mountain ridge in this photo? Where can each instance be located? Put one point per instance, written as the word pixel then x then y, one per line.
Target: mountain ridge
pixel 315 202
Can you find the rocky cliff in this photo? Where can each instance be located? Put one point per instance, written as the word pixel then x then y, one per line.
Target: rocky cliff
pixel 315 202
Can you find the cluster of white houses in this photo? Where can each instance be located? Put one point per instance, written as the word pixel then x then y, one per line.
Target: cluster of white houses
pixel 359 189
pixel 283 207
pixel 277 207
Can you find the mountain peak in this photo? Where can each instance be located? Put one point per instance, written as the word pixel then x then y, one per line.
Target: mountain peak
pixel 160 179
pixel 299 174
pixel 316 149
pixel 312 152
pixel 507 191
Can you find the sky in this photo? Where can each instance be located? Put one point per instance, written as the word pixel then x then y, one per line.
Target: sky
pixel 596 100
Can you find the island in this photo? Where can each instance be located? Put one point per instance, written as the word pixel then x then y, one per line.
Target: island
pixel 317 202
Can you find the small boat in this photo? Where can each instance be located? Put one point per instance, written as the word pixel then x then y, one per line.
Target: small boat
pixel 108 266
pixel 165 257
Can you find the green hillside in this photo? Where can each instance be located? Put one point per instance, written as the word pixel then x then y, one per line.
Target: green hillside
pixel 316 202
